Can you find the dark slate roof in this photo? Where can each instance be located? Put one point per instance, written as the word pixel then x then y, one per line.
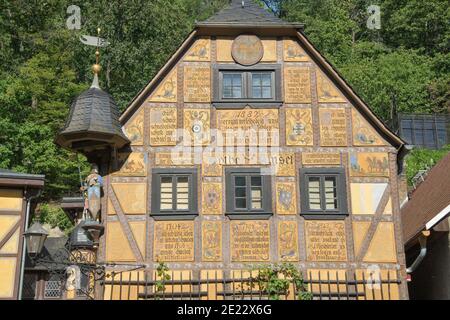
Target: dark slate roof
pixel 251 14
pixel 93 112
pixel 429 199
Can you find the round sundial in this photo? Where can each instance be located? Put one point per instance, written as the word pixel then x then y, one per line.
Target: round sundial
pixel 247 50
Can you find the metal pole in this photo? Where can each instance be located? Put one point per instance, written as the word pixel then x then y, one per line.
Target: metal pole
pixel 24 247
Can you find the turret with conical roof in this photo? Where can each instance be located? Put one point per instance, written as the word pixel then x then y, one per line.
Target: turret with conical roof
pixel 93 122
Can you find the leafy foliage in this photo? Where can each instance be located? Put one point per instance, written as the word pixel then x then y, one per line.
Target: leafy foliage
pixel 275 280
pixel 162 271
pixel 421 159
pixel 54 216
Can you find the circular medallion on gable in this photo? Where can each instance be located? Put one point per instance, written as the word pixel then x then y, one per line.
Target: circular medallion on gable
pixel 247 50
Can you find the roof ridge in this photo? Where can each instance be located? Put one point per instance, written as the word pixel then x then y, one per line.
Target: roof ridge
pixel 245 12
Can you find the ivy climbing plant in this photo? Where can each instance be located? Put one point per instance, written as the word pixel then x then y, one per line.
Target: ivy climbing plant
pixel 274 280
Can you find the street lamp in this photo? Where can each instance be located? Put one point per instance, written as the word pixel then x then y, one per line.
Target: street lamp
pixel 35 237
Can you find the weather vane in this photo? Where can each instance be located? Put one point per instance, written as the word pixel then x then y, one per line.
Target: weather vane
pixel 73 22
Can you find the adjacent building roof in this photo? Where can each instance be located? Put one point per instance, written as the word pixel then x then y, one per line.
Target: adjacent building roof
pixel 430 202
pixel 12 178
pixel 241 13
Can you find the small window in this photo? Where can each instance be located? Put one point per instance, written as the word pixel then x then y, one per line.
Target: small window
pixel 174 193
pixel 237 86
pixel 248 193
pixel 323 192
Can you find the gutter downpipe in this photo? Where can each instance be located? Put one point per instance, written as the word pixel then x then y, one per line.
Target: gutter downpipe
pixel 24 247
pixel 423 252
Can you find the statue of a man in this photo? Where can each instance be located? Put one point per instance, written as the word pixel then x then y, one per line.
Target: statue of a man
pixel 92 193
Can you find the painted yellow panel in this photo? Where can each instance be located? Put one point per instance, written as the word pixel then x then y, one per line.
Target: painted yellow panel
pixel 118 248
pixel 299 130
pixel 288 241
pixel 126 291
pixel 139 232
pixel 285 165
pixel 250 241
pixel 132 164
pixel 333 127
pixel 110 208
pixel 360 229
pixel 173 241
pixel 197 126
pixel 211 166
pixel 134 129
pixel 363 133
pixel 212 198
pixel 286 198
pixel 197 84
pixel 212 241
pixel 167 89
pixel 270 50
pixel 7 277
pixel 388 209
pixel 324 275
pixel 132 197
pixel 373 164
pixel 12 245
pixel 382 248
pixel 374 289
pixel 11 199
pixel 163 126
pixel 297 85
pixel 213 284
pixel 224 49
pixel 200 50
pixel 325 241
pixel 7 222
pixel 293 52
pixel 326 91
pixel 366 197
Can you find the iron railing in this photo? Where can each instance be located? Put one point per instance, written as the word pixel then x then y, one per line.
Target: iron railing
pixel 210 285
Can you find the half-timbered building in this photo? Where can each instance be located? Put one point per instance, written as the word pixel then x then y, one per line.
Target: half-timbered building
pixel 246 148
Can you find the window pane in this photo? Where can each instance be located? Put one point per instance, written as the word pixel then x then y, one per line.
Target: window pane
pixel 232 85
pixel 330 193
pixel 241 192
pixel 182 193
pixel 314 193
pixel 241 203
pixel 267 92
pixel 256 181
pixel 166 193
pixel 256 197
pixel 267 79
pixel 257 93
pixel 239 181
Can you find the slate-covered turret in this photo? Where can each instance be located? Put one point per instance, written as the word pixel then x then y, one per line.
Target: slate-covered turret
pixel 93 122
